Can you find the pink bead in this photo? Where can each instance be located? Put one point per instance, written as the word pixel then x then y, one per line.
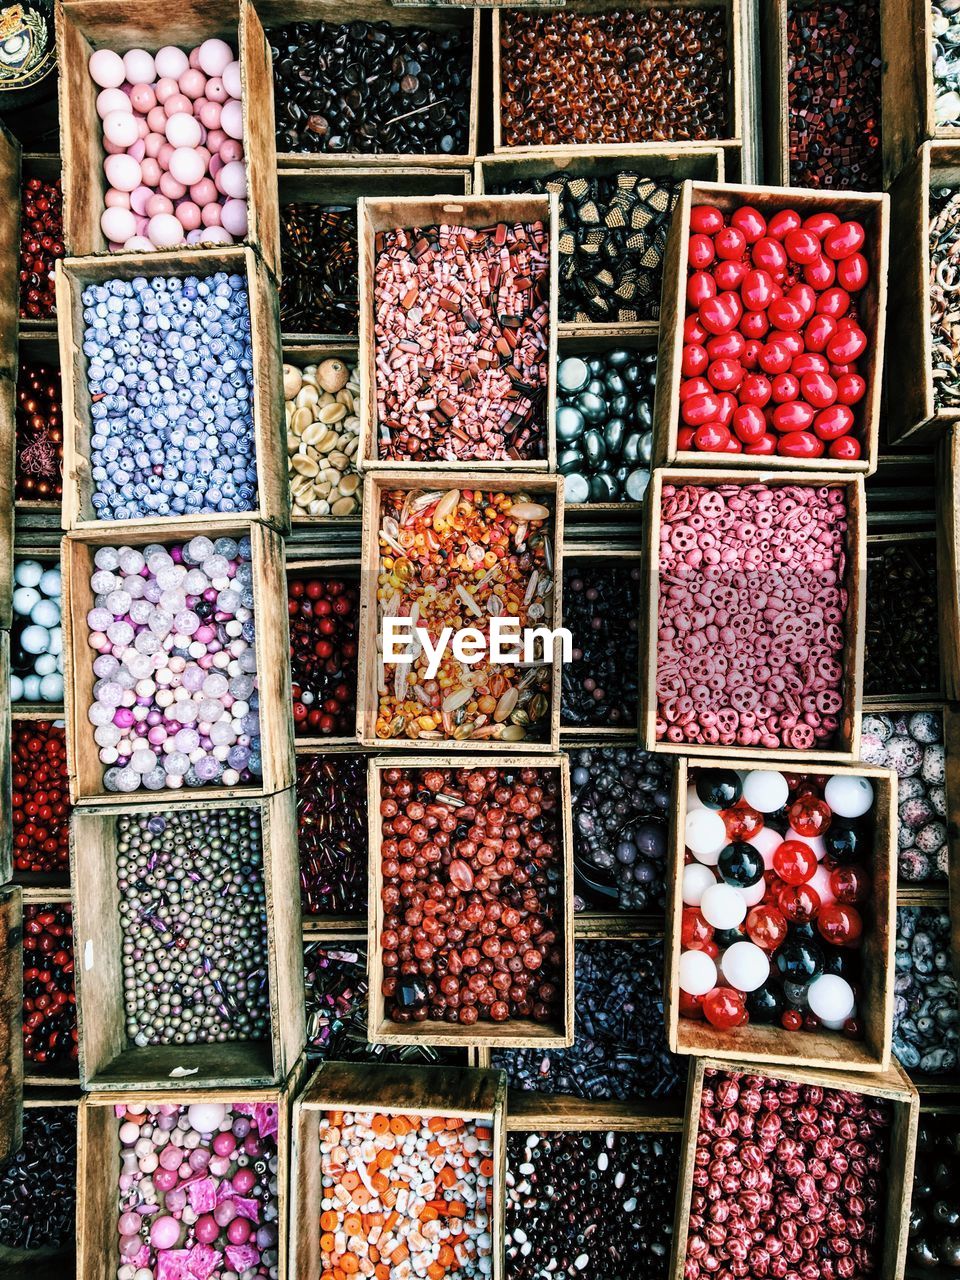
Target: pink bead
pixel 158 204
pixel 123 172
pixel 170 1157
pixel 177 104
pixel 194 57
pixel 143 98
pixel 117 199
pixel 225 1212
pixel 232 180
pixel 216 164
pixel 139 148
pixel 234 217
pixel 150 172
pixel 230 150
pixel 165 1179
pixel 210 215
pixel 192 83
pixel 203 192
pixel 187 166
pixel 206 1229
pixel 238 1232
pixel 113 148
pixel 165 231
pixel 164 154
pixel 231 119
pixel 164 1232
pixel 213 56
pixel 152 144
pixel 217 90
pixel 165 88
pixel 243 1181
pixel 171 187
pixel 215 140
pixel 210 114
pixel 219 1166
pixel 189 215
pixel 224 1143
pixel 111 100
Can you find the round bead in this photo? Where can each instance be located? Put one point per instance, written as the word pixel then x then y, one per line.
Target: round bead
pixel 848 796
pixel 745 966
pixel 831 998
pixel 705 835
pixel 697 973
pixel 723 906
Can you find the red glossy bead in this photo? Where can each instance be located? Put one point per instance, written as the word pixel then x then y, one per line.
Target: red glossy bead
pixel 693 330
pixel 765 447
pixel 755 389
pixel 802 246
pixel 850 388
pixel 820 274
pixel 794 862
pixel 783 222
pixel 775 358
pixel 750 359
pixel 794 415
pixel 690 1006
pixel 809 816
pixel 818 389
pixel 818 332
pixel 791 1020
pixel 727 346
pixel 847 345
pixel 786 313
pixel 730 242
pixel 694 387
pixel 786 386
pixel 849 884
pixel 725 375
pixel 712 437
pixel 700 286
pixel 684 438
pixel 821 223
pixel 799 903
pixel 834 422
pixel 833 302
pixel 754 324
pixel 728 403
pixel 806 296
pixel 840 924
pixel 700 408
pixel 853 273
pixel 800 444
pixel 694 360
pixel 693 927
pixel 846 449
pixel 700 252
pixel 730 274
pixel 706 219
pixel 766 926
pixel 725 1008
pixel 721 313
pixel 843 240
pixel 741 822
pixel 769 255
pixel 750 221
pixel 790 340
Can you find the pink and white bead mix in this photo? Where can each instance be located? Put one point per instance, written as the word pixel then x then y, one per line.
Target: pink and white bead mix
pixel 175 700
pixel 173 134
pixel 198 1191
pixel 751 615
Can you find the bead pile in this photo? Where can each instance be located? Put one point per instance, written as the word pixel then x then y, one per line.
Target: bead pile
pixel 372 87
pixel 902 635
pixel 620 1051
pixel 461 337
pixel 38 1185
pixel 912 744
pixel 612 238
pixel 175 701
pixel 738 660
pixel 934 1214
pixel 774 891
pixel 194 922
pixel 772 337
pixel 41 244
pixel 809 1182
pixel 432 560
pixel 324 614
pixel 944 37
pixel 646 75
pixel 605 425
pixel 198 1190
pixel 323 434
pixel 36 641
pixel 173 137
pixel 170 380
pixel 590 1204
pixel 49 1001
pixel 926 1013
pixel 40 803
pixel 319 256
pixel 336 989
pixel 944 247
pixel 621 816
pixel 833 95
pixel 332 825
pixel 601 605
pixel 472 895
pixel 39 433
pixel 409 1194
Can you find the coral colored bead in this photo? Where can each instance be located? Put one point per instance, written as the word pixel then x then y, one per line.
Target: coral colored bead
pixel 846 346
pixel 726 346
pixel 794 415
pixel 833 302
pixel 846 449
pixel 843 240
pixel 818 332
pixel 721 313
pixel 749 423
pixel 818 389
pixel 700 287
pixel 706 219
pixel 853 273
pixel 730 273
pixel 786 313
pixel 820 274
pixel 701 408
pixel 712 437
pixel 775 358
pixel 725 375
pixel 693 330
pixel 769 255
pixel 810 362
pixel 685 438
pixel 765 447
pixel 754 324
pixel 782 223
pixel 850 388
pixel 834 422
pixel 786 386
pixel 755 389
pixel 700 251
pixel 694 361
pixel 730 243
pixel 821 223
pixel 802 246
pixel 750 222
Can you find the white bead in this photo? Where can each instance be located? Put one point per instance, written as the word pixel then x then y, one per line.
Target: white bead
pixel 745 966
pixel 847 796
pixel 815 843
pixel 705 835
pixel 765 790
pixel 754 893
pixel 693 800
pixel 34 639
pixel 820 883
pixel 25 599
pixel 765 842
pixel 830 996
pixel 696 880
pixel 50 583
pixel 697 973
pixel 723 906
pixel 27 573
pixel 206 1117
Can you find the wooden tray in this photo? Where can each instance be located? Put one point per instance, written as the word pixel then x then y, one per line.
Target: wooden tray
pixel 906 37
pixel 273 661
pixel 849 748
pixel 9 324
pixel 374 216
pixel 86 25
pixel 109 1060
pixel 873 211
pixel 11 1017
pixel 53 895
pixel 334 568
pixel 770 1045
pixel 517 1033
pixel 73 276
pixel 301 352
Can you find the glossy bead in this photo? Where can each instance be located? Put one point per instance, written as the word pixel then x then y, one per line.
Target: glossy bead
pixel 840 924
pixel 745 966
pixel 794 862
pixel 799 903
pixel 799 960
pixel 723 906
pixel 696 973
pixel 765 790
pixel 718 788
pixel 849 796
pixel 741 822
pixel 765 1004
pixel 845 842
pixel 830 998
pixel 850 884
pixel 705 835
pixel 766 926
pixel 740 865
pixel 725 1008
pixel 809 816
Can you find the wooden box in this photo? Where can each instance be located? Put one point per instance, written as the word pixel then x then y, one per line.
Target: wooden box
pixel 86 25
pixel 302 354
pixel 11 1013
pixel 703 162
pixel 769 1044
pixel 344 187
pixel 547 489
pixel 922 540
pixel 9 323
pixel 277 13
pixel 908 89
pixel 73 276
pixel 48 1262
pixel 732 140
pixel 6 774
pixel 348 569
pixel 873 211
pixel 848 748
pixel 24 709
pixel 54 896
pixel 893 1085
pixel 273 659
pixel 374 216
pixel 573 735
pixel 775 67
pixel 98 1165
pixel 109 1058
pixel 517 1033
pixel 912 416
pixel 338 1086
